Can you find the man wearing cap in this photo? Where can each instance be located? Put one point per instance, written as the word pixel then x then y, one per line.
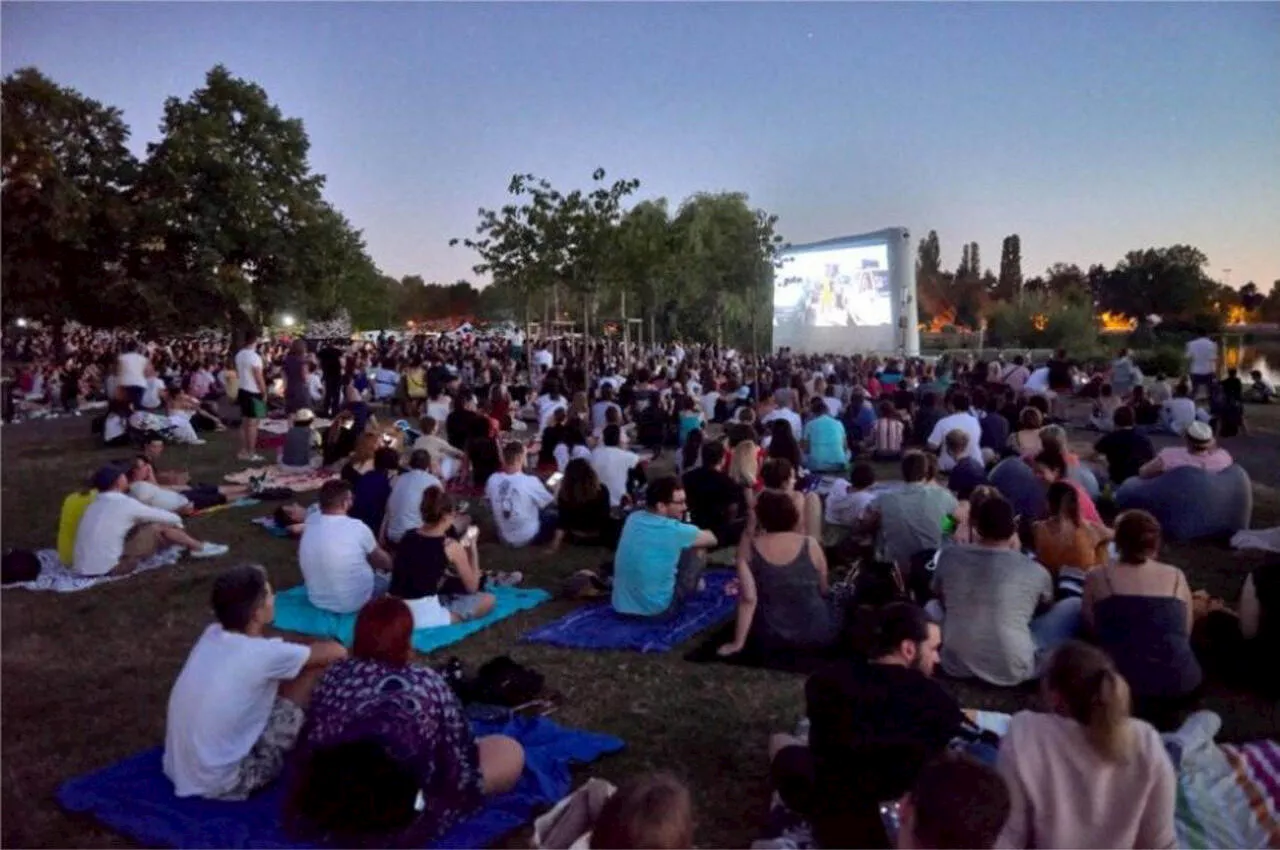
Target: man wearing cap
pixel 1200 451
pixel 117 532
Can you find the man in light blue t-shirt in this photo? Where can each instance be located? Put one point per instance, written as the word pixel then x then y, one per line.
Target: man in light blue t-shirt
pixel 660 558
pixel 825 444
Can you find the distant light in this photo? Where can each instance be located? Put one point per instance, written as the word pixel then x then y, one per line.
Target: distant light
pixel 22 323
pixel 288 321
pixel 411 323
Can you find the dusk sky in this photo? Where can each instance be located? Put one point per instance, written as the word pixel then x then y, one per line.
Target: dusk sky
pixel 1089 130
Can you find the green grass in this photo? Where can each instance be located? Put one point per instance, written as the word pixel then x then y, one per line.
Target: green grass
pixel 86 676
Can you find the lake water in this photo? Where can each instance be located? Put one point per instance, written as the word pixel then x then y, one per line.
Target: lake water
pixel 1265 358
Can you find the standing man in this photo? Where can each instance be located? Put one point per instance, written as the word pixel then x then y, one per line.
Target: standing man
pixel 331 369
pixel 132 371
pixel 252 396
pixel 1202 354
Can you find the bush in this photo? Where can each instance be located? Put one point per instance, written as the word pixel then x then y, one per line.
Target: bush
pixel 1045 323
pixel 1165 358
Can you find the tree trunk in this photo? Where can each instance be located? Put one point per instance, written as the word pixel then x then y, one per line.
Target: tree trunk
pixel 653 325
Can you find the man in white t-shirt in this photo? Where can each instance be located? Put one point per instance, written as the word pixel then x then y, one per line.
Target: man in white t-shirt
pixel 132 370
pixel 252 396
pixel 787 415
pixel 613 464
pixel 238 705
pixel 543 358
pixel 959 419
pixel 1202 354
pixel 338 555
pixel 404 507
pixel 519 501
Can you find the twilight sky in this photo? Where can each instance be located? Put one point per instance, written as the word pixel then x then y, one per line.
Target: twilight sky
pixel 1087 129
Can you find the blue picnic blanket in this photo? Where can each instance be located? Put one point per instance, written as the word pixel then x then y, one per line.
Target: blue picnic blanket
pixel 598 626
pixel 135 798
pixel 295 613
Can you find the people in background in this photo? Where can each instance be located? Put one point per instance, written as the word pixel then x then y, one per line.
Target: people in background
pixel 1025 442
pixel 716 501
pixel 238 704
pixel 252 396
pixel 372 491
pixel 388 757
pixel 519 501
pixel 1200 451
pixel 1051 466
pixel 361 459
pixel 1085 774
pixel 583 509
pixel 995 430
pixel 659 560
pixel 144 486
pixel 404 505
pixel 1139 611
pixel 825 444
pixel 117 533
pixel 887 434
pixel 908 520
pixel 437 576
pixel 848 501
pixel 1259 391
pixel 1065 543
pixel 1179 412
pixel 784 598
pixel 874 723
pixel 616 467
pixel 447 461
pixel 1125 449
pixel 988 596
pixel 342 565
pixel 960 418
pixel 296 451
pixel 957 803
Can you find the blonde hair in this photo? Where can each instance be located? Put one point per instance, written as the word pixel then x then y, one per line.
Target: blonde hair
pixel 1095 695
pixel 744 466
pixel 366 445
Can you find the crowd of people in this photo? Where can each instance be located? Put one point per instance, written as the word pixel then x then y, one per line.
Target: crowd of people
pixel 952 567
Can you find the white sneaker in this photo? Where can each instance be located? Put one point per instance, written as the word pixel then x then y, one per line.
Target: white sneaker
pixel 210 550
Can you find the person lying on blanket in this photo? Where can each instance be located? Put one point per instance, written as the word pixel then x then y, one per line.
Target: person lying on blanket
pixel 117 533
pixel 153 448
pixel 396 730
pixel 660 557
pixel 873 725
pixel 342 565
pixel 144 487
pixel 239 702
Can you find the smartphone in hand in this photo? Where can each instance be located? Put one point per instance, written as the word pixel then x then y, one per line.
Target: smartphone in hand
pixel 555 479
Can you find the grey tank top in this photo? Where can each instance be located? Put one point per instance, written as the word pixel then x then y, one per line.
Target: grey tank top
pixel 791 610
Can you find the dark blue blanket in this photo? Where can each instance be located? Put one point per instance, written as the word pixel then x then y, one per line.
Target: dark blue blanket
pixel 134 796
pixel 598 626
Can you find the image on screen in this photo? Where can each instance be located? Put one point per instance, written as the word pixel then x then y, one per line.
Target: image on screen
pixel 834 288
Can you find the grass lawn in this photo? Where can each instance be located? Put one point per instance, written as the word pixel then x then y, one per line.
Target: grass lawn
pixel 86 676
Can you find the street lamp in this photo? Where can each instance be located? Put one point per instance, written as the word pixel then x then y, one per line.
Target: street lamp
pixel 288 321
pixel 22 323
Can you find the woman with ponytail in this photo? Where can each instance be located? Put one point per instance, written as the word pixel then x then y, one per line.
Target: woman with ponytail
pixel 1086 774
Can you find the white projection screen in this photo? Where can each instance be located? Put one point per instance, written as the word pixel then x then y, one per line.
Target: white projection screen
pixel 847 296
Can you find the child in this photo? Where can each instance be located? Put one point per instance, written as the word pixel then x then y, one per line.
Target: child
pixel 446 458
pixel 1259 392
pixel 295 454
pixel 849 500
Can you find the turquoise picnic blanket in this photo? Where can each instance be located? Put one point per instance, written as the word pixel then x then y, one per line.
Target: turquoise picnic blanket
pixel 295 613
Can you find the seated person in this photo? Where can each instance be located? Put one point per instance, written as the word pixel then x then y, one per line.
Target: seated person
pixel 1146 413
pixel 117 533
pixel 583 514
pixel 1259 391
pixel 383 733
pixel 293 517
pixel 616 467
pixel 572 447
pixel 957 803
pixel 1125 449
pixel 654 812
pixel 1050 466
pixel 908 520
pixel 1139 611
pixel 715 501
pixel 874 723
pixel 361 459
pixel 988 595
pixel 153 450
pixel 1180 411
pixel 552 437
pixel 338 555
pixel 1200 452
pixel 1085 774
pixel 340 439
pixel 239 703
pixel 1065 544
pixel 372 491
pixel 784 599
pixel 296 451
pixel 144 487
pixel 963 473
pixel 449 461
pixel 887 434
pixel 1104 409
pixel 1025 442
pixel 848 500
pixel 659 560
pixel 779 475
pixel 825 445
pixel 437 576
pixel 995 430
pixel 519 501
pixel 73 508
pixel 404 505
pixel 1260 623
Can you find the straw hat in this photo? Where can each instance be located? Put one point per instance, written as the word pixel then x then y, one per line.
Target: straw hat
pixel 303 417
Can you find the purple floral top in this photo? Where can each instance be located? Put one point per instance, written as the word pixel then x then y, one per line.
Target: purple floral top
pixel 415 712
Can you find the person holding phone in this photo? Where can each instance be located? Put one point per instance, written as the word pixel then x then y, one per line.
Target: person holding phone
pixel 438 577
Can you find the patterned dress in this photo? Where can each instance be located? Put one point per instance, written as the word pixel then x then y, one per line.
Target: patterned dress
pixel 415 714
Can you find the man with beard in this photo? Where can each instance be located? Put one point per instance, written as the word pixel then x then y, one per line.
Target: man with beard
pixel 874 723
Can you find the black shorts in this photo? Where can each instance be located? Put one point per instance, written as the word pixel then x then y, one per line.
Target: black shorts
pixel 134 395
pixel 252 405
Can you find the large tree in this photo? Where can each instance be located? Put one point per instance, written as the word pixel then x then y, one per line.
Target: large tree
pixel 232 208
pixel 66 211
pixel 929 255
pixel 1009 283
pixel 1169 282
